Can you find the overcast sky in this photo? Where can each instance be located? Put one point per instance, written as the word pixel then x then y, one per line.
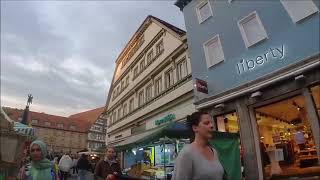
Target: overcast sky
pixel 63 53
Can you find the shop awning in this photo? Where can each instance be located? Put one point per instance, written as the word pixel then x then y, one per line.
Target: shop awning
pixel 172 130
pixel 23 129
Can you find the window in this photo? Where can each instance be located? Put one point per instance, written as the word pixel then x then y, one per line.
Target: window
pixel 299 10
pixel 47 123
pixel 114 95
pixel 204 11
pixel 127 80
pixel 182 69
pixel 135 72
pixel 118 90
pixel 142 65
pixel 158 86
pixel 150 57
pixel 122 85
pixel 60 125
pixel 252 30
pixel 213 51
pixel 72 127
pixel 159 47
pixel 114 116
pixel 149 92
pixel 131 105
pixel 34 121
pixel 287 121
pixel 119 113
pixel 169 78
pixel 125 109
pixel 227 123
pixel 141 98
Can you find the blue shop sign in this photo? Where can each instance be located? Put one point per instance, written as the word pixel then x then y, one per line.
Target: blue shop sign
pixel 165 119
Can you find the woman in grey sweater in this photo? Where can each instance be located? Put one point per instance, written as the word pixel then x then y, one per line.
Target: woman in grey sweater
pixel 198 160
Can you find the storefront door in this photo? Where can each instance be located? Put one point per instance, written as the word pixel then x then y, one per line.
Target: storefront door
pixel 287 141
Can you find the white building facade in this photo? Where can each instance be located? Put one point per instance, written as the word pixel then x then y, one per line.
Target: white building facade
pixel 152 82
pixel 96 134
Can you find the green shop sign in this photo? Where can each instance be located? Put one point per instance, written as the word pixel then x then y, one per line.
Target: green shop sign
pixel 165 119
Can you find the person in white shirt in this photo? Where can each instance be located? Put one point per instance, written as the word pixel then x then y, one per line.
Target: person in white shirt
pixel 65 165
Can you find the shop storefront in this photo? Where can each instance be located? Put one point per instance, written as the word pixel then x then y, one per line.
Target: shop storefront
pixel 278 122
pixel 151 154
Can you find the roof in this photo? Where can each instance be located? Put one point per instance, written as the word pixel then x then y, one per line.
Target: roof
pixel 42 118
pixel 143 26
pixel 170 26
pixel 90 116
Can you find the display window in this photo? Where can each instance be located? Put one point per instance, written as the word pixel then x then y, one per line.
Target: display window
pixel 286 141
pixel 227 123
pixel 315 91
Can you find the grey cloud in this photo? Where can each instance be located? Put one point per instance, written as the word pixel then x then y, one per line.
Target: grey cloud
pixel 48 34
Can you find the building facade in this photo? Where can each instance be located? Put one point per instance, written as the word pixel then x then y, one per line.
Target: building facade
pixel 97 127
pixel 152 82
pixel 255 66
pixel 61 134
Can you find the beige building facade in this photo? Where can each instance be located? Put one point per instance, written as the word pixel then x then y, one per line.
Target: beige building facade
pixel 61 134
pixel 151 82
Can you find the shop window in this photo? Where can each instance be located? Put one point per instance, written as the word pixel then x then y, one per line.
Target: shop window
pixel 286 141
pixel 299 10
pixel 227 123
pixel 315 91
pixel 252 29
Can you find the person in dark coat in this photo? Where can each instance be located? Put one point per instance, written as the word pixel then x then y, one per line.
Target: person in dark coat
pixel 83 166
pixel 107 168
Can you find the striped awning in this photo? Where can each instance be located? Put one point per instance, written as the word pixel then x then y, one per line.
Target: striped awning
pixel 23 129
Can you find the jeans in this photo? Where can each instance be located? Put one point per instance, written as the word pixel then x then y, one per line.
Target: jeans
pixel 82 174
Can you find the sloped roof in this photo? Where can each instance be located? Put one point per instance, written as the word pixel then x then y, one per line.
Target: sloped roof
pixel 90 116
pixel 80 124
pixel 170 26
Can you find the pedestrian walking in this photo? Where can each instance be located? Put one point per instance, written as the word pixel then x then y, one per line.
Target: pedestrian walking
pixel 65 165
pixel 84 166
pixel 198 160
pixel 40 167
pixel 74 164
pixel 107 168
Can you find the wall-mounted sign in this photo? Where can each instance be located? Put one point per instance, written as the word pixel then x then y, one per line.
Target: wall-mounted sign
pixel 165 119
pixel 272 54
pixel 202 86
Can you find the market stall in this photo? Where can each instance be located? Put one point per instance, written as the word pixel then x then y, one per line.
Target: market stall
pixel 14 138
pixel 151 155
